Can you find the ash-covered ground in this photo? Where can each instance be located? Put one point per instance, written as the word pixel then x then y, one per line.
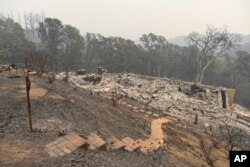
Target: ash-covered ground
pixel 80 106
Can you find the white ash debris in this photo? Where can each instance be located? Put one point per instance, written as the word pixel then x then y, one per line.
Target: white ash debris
pixel 165 96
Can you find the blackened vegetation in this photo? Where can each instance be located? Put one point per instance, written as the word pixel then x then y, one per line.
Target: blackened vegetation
pixel 115 96
pixel 206 150
pixel 232 137
pixel 225 136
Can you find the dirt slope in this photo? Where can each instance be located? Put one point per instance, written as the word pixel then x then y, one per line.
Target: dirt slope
pixel 59 108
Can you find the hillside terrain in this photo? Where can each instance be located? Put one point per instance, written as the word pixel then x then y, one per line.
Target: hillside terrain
pixel 121 105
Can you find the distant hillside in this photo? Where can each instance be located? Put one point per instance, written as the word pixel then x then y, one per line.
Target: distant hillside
pixel 245 38
pixel 245 43
pixel 246 47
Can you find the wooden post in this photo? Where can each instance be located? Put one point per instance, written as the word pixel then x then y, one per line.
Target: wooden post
pixel 99 70
pixel 196 119
pixel 224 98
pixel 28 85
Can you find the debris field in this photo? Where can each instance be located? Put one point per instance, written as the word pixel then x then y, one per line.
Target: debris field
pixel 111 120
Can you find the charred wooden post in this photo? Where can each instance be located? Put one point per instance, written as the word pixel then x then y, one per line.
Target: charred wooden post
pixel 196 119
pixel 99 70
pixel 224 99
pixel 28 85
pixel 9 69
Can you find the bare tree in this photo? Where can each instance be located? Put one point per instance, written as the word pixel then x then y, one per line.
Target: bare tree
pixel 206 150
pixel 232 137
pixel 214 136
pixel 42 16
pixel 25 20
pixel 115 96
pixel 214 43
pixel 19 19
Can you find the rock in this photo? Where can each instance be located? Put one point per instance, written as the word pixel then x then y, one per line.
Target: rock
pixel 206 125
pixel 97 79
pixel 234 116
pixel 197 87
pixel 127 82
pixel 4 67
pixel 81 72
pixel 154 96
pixel 89 78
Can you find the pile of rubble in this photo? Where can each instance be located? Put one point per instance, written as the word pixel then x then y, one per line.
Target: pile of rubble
pixel 165 96
pixel 4 67
pixel 14 70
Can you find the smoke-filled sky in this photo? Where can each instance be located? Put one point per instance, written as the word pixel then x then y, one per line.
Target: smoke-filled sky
pixel 131 18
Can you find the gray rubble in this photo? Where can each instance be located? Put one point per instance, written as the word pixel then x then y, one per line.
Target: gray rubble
pixel 164 96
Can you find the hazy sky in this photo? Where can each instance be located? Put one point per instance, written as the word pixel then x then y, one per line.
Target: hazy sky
pixel 131 18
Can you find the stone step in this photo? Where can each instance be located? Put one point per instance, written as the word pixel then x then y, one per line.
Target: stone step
pixel 72 141
pixel 131 145
pixel 96 142
pixel 116 143
pixel 147 146
pixel 65 145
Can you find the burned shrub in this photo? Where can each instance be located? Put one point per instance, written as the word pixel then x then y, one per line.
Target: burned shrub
pixel 206 150
pixel 232 137
pixel 51 77
pixel 115 97
pixel 214 136
pixel 66 77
